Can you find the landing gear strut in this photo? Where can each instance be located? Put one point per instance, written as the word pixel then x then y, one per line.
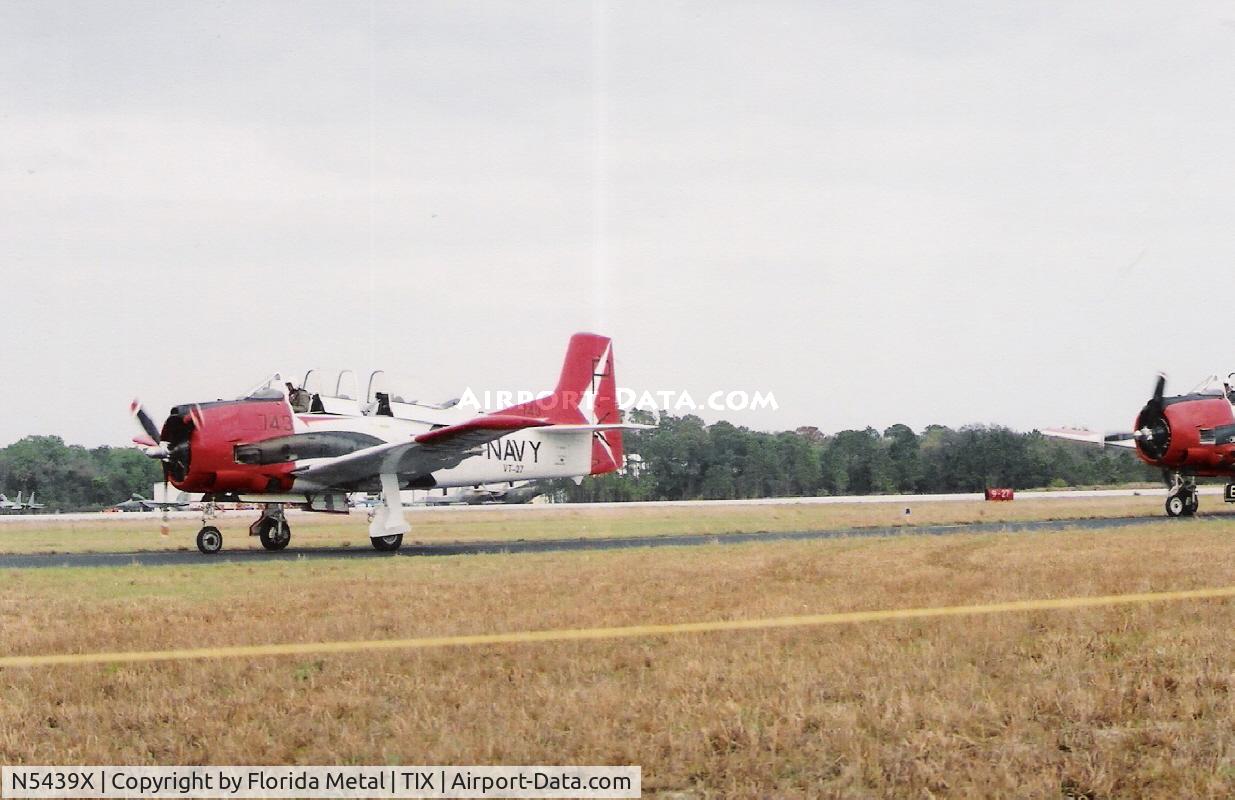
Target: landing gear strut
pixel 272 528
pixel 1182 499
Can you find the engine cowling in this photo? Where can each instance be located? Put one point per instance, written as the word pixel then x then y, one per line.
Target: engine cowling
pixel 1169 431
pixel 202 437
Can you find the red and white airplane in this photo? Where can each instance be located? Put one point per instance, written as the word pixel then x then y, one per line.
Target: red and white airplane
pixel 282 446
pixel 1187 436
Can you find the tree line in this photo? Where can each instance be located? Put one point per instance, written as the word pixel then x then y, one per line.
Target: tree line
pixel 73 478
pixel 685 459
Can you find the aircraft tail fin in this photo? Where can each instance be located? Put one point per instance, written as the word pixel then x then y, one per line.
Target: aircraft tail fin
pixel 586 394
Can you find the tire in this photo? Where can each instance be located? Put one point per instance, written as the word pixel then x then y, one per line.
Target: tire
pixel 209 540
pixel 387 544
pixel 269 534
pixel 1175 506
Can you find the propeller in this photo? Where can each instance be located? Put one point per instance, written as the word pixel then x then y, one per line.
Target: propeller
pixel 155 448
pixel 1153 431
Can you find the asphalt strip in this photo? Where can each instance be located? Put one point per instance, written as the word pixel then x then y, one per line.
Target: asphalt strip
pixel 162 558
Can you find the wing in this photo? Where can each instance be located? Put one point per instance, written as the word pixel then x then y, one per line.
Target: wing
pixel 438 449
pixel 1092 437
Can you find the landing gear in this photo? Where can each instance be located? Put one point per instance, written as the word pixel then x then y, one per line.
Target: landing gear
pixel 209 540
pixel 387 544
pixel 386 522
pixel 1182 499
pixel 272 528
pixel 274 534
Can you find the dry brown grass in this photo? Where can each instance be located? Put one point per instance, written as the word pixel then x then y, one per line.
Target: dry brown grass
pixel 126 532
pixel 1130 701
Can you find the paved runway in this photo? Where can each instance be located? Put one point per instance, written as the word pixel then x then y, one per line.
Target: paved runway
pixel 870 499
pixel 194 558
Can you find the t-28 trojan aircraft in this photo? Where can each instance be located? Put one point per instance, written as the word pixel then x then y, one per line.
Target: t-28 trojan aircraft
pixel 1187 436
pixel 284 446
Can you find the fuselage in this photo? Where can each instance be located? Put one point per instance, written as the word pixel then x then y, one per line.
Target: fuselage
pixel 521 455
pixel 259 445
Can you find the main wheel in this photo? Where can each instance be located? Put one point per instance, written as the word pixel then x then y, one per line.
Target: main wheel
pixel 387 544
pixel 209 540
pixel 1175 505
pixel 274 533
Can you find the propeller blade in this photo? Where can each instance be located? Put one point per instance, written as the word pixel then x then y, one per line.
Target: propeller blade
pixel 1118 437
pixel 143 419
pixel 1159 388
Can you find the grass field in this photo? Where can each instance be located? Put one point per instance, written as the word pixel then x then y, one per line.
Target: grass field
pixel 125 532
pixel 1115 702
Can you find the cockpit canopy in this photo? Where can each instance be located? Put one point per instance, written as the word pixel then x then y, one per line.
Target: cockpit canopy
pixel 1217 387
pixel 389 397
pixel 323 393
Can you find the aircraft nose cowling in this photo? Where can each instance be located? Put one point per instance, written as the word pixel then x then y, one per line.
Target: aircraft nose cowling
pixel 1169 431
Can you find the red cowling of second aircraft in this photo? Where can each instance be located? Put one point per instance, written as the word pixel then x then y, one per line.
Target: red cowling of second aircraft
pixel 1186 417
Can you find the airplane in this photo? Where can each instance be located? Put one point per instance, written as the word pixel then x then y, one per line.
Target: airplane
pixel 19 505
pixel 509 493
pixel 1187 436
pixel 29 504
pixel 259 448
pixel 137 502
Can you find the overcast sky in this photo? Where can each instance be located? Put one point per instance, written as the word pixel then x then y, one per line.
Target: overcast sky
pixel 880 212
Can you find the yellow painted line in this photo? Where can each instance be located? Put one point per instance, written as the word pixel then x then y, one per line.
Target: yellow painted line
pixel 626 632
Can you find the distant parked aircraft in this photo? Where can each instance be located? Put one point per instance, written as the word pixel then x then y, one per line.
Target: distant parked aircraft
pixel 509 493
pixel 29 505
pixel 139 503
pixel 19 505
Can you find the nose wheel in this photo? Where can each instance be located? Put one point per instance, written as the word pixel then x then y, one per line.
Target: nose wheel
pixel 209 540
pixel 1183 500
